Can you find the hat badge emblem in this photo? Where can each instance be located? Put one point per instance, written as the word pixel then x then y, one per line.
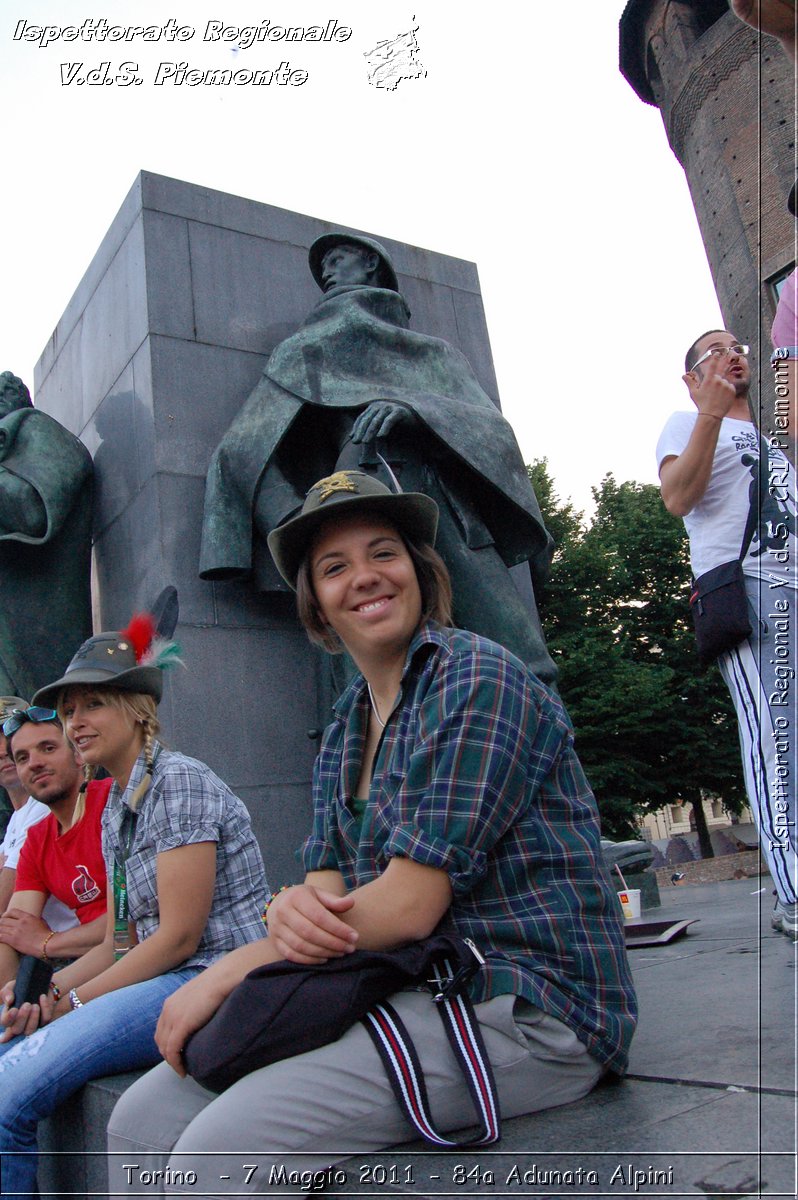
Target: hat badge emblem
pixel 341 481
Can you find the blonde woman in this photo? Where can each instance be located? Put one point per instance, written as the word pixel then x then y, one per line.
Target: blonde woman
pixel 187 881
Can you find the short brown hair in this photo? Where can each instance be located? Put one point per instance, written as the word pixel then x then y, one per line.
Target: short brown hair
pixel 433 581
pixel 689 357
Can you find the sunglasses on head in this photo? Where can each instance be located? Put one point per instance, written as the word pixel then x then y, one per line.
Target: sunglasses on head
pixel 20 715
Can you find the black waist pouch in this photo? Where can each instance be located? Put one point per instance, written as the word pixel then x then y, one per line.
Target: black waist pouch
pixel 287 1008
pixel 720 611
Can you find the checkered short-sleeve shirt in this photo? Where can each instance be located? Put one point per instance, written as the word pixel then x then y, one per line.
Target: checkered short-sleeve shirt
pixel 187 804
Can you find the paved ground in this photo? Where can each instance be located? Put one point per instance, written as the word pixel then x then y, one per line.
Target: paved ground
pixel 709 1107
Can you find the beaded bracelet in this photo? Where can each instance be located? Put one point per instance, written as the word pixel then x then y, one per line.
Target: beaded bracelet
pixel 271 900
pixel 43 954
pixel 55 989
pixel 75 1000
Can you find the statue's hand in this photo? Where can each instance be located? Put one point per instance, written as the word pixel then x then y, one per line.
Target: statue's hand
pixel 378 420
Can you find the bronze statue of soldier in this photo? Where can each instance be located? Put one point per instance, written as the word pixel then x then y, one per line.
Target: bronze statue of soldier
pixel 355 384
pixel 46 478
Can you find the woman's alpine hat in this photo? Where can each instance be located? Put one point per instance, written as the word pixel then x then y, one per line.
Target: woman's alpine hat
pixel 131 659
pixel 340 495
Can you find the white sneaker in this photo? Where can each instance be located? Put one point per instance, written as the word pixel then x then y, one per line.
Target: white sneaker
pixel 777 914
pixel 789 920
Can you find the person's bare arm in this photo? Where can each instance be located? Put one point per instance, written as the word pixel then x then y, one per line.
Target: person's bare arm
pixel 29 902
pixel 685 478
pixel 8 878
pixel 403 905
pixel 193 1005
pixel 186 878
pixel 27 934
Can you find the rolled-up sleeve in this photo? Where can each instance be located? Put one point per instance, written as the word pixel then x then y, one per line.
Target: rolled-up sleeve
pixel 188 810
pixel 469 771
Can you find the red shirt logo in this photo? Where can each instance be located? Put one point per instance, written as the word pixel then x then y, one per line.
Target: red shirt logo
pixel 84 886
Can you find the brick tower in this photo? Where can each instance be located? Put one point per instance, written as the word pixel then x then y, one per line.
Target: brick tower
pixel 727 98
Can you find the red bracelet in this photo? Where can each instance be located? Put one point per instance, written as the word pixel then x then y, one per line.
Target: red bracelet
pixel 55 989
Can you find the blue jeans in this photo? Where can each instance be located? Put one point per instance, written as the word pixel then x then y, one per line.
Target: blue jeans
pixel 113 1033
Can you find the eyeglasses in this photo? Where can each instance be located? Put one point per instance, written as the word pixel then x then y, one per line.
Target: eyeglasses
pixel 20 715
pixel 721 352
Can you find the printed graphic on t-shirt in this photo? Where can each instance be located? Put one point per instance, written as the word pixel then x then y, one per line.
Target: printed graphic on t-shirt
pixel 84 886
pixel 768 493
pixel 739 491
pixel 745 441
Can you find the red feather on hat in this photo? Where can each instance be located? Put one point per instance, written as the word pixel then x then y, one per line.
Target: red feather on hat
pixel 139 633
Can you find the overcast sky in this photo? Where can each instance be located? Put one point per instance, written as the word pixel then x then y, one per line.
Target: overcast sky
pixel 522 149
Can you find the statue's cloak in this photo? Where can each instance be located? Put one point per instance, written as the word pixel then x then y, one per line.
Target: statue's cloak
pixel 355 348
pixel 45 597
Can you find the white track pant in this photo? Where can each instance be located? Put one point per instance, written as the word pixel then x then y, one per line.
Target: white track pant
pixel 760 674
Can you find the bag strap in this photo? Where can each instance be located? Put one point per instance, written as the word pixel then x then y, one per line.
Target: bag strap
pixel 750 525
pixel 395 1048
pixel 759 499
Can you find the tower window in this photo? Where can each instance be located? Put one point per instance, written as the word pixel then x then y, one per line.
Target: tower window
pixel 777 281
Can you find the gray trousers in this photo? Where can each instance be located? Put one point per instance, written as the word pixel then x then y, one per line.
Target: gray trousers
pixel 320 1108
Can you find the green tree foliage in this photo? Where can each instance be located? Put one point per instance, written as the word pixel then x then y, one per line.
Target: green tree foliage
pixel 651 728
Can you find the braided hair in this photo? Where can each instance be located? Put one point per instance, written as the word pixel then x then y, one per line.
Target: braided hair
pixel 151 727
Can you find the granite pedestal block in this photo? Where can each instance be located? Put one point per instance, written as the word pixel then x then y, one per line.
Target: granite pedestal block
pixel 161 344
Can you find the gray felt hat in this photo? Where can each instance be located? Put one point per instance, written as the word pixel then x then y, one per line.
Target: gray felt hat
pixel 339 495
pixel 107 660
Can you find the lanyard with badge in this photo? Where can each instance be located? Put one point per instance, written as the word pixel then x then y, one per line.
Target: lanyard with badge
pixel 122 938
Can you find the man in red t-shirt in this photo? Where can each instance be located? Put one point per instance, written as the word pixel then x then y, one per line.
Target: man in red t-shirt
pixel 62 855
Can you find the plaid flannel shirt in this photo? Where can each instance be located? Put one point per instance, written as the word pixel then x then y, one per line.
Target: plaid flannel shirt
pixel 476 774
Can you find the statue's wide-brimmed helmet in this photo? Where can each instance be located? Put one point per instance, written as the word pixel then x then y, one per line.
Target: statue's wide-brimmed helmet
pixel 328 241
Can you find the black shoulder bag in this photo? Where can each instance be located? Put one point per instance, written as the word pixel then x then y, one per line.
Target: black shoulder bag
pixel 286 1008
pixel 719 604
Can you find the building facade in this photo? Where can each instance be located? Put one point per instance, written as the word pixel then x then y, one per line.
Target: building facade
pixel 727 98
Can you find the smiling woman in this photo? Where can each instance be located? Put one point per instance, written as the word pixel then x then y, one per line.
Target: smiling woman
pixel 446 789
pixel 366 590
pixel 109 728
pixel 188 885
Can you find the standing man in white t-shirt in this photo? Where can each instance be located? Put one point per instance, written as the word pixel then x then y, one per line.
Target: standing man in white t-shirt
pixel 710 475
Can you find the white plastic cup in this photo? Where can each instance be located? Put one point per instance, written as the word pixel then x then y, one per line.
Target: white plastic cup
pixel 630 903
